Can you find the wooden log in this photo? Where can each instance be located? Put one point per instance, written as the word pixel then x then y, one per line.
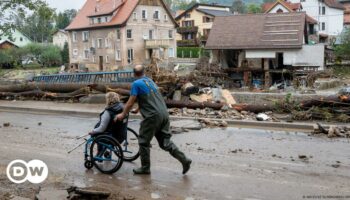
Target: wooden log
pixel 193 105
pixel 333 100
pixel 60 88
pixel 40 94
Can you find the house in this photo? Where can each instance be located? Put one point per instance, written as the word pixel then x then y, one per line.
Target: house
pixel 346 4
pixel 6 44
pixel 195 23
pixel 59 38
pixel 265 49
pixel 110 34
pixel 17 38
pixel 281 6
pixel 328 13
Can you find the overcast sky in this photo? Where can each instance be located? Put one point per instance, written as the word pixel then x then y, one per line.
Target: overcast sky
pixel 61 5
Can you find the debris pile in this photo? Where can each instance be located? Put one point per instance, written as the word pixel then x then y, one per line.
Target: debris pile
pixel 333 131
pixel 209 74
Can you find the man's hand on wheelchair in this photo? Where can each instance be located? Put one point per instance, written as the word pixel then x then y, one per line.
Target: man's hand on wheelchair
pixel 119 117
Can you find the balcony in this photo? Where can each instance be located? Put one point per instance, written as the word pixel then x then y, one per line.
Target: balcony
pixel 157 43
pixel 187 43
pixel 187 29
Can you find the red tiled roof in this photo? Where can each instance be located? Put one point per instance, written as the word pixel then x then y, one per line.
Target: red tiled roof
pixel 123 9
pixel 334 4
pixel 266 7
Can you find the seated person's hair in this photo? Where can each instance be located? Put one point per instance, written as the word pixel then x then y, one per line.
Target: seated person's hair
pixel 112 98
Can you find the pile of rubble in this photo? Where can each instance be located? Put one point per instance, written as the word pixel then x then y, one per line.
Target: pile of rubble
pixel 333 131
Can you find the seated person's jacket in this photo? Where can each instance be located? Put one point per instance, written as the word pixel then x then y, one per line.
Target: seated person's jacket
pixel 106 125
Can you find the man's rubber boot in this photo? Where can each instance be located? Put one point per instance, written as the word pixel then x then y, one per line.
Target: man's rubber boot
pixel 145 161
pixel 180 156
pixel 186 166
pixel 142 170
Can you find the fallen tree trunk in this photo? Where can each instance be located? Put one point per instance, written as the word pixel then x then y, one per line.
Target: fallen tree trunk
pixel 61 87
pixel 41 94
pixel 333 100
pixel 193 105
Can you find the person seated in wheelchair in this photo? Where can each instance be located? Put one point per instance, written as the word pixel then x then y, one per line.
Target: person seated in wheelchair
pixel 106 124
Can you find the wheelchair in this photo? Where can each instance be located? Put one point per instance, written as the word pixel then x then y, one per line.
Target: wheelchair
pixel 107 154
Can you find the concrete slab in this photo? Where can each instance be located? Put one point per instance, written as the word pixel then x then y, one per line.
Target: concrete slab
pixel 188 124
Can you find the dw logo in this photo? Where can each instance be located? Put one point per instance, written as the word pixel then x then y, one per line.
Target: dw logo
pixel 35 171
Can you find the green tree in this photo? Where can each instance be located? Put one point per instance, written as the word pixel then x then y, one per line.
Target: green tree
pixel 254 8
pixel 20 7
pixel 51 56
pixel 238 6
pixel 343 49
pixel 34 51
pixel 38 25
pixel 65 53
pixel 7 60
pixel 63 19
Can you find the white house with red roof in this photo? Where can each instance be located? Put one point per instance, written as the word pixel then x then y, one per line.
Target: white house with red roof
pixel 111 34
pixel 328 13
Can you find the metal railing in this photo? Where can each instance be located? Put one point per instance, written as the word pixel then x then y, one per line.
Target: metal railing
pixel 88 78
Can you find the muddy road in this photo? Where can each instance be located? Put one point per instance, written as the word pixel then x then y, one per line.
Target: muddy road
pixel 228 163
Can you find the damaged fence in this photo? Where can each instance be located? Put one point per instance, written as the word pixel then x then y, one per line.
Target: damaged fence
pixel 88 78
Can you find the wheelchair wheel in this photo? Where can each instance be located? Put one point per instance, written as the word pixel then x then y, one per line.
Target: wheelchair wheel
pixel 88 164
pixel 131 149
pixel 106 154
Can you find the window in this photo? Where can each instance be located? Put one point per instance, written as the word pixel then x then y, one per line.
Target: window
pixel 171 52
pixel 323 10
pixel 99 20
pixel 106 19
pixel 144 14
pixel 187 15
pixel 107 59
pixel 156 15
pixel 85 36
pixel 118 34
pixel 302 0
pixel 75 52
pixel 129 34
pixel 279 10
pixel 188 23
pixel 170 34
pixel 21 39
pixel 86 54
pixel 134 16
pixel 106 42
pixel 117 55
pixel 207 19
pixel 130 55
pixel 99 43
pixel 323 26
pixel 75 37
pixel 150 35
pixel 166 17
